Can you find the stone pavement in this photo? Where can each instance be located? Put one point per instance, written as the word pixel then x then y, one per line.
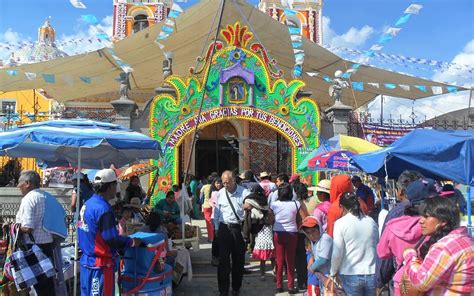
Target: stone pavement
pixel 204 282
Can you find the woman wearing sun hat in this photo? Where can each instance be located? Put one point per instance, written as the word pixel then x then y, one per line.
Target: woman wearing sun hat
pixel 321 211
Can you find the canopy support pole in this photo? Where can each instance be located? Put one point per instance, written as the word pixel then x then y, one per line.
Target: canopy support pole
pixel 469 211
pixel 76 216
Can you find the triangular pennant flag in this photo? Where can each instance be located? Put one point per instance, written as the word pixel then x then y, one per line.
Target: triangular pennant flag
pixel 414 9
pixel 390 85
pixel 161 46
pixel 294 30
pixel 167 29
pixel 162 36
pixel 359 86
pixel 297 71
pixel 452 89
pixel 299 56
pixel 49 78
pixel 376 47
pixel 297 51
pixel 289 12
pixel 374 84
pixel 384 39
pixel 312 74
pixel 296 44
pixel 422 88
pixel 173 14
pixel 85 79
pixel 404 87
pixel 402 20
pixel 296 38
pixel 77 4
pixel 346 75
pixel 437 90
pixel 177 8
pixel 169 22
pixel 392 31
pixel 30 75
pixel 12 72
pixel 90 19
pixel 355 66
pixel 327 79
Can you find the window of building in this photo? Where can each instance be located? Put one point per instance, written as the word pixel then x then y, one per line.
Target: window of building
pixel 140 23
pixel 8 107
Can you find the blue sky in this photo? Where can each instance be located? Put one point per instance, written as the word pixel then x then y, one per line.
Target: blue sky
pixel 443 31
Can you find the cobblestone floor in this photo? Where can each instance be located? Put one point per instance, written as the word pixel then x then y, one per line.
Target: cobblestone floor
pixel 204 282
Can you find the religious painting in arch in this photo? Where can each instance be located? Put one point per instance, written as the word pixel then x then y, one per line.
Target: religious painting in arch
pixel 237 91
pixel 238 82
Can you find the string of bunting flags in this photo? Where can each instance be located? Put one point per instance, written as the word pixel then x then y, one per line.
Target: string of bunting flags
pixel 296 41
pixel 360 85
pixel 169 26
pixel 386 37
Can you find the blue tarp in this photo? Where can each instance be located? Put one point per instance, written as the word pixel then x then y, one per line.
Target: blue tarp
pixel 440 154
pixel 57 142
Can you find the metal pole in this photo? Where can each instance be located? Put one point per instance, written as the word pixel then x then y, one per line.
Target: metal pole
pixel 217 151
pixel 470 100
pixel 469 211
pixel 381 109
pixel 76 215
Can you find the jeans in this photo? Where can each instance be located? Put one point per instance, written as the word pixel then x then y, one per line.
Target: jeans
pixel 285 247
pixel 359 284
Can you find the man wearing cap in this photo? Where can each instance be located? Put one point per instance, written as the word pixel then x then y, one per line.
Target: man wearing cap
pixel 267 185
pixel 98 237
pixel 228 217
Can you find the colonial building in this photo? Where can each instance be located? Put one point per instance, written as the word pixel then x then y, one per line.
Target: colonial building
pixel 133 16
pixel 309 16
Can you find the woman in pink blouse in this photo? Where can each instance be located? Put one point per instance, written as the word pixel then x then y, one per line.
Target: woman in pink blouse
pixel 445 263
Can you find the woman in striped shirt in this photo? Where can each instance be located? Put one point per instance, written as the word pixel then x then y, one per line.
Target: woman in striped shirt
pixel 445 264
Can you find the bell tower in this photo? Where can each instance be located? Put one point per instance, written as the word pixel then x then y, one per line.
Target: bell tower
pixel 131 17
pixel 46 33
pixel 309 16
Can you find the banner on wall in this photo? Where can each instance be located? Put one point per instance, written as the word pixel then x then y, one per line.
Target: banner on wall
pixel 383 135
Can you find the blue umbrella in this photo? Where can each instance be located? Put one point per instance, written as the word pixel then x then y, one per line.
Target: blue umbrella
pixel 440 154
pixel 57 143
pixel 81 143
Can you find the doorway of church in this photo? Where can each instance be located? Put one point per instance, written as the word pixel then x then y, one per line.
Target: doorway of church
pixel 215 156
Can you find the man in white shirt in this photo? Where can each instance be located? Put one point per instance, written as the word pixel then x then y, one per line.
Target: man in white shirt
pixel 228 217
pixel 30 216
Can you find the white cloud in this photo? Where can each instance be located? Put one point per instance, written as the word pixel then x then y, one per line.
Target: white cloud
pixel 353 38
pixel 84 40
pixel 458 73
pixel 426 108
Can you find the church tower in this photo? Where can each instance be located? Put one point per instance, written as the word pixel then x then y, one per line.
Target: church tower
pixel 309 16
pixel 131 16
pixel 46 34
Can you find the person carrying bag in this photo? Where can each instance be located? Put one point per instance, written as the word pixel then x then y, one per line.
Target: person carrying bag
pixel 29 264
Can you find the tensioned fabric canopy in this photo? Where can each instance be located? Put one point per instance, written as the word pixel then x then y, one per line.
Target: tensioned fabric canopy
pixel 194 30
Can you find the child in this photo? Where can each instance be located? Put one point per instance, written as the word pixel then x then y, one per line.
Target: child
pixel 126 217
pixel 313 282
pixel 256 222
pixel 321 247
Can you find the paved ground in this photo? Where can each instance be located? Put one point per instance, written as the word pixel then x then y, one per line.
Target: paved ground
pixel 204 282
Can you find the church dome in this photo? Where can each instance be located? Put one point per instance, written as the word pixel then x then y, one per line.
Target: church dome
pixel 42 50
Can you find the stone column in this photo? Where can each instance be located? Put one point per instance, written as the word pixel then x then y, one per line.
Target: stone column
pixel 124 108
pixel 338 115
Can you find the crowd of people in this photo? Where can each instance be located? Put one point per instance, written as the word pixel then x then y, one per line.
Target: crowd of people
pixel 335 235
pixel 329 236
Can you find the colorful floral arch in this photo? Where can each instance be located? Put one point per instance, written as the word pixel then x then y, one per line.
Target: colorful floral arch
pixel 241 82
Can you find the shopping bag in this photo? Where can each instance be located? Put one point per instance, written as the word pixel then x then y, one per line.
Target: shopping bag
pixel 332 288
pixel 30 266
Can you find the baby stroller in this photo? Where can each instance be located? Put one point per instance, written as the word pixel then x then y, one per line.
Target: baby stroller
pixel 143 268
